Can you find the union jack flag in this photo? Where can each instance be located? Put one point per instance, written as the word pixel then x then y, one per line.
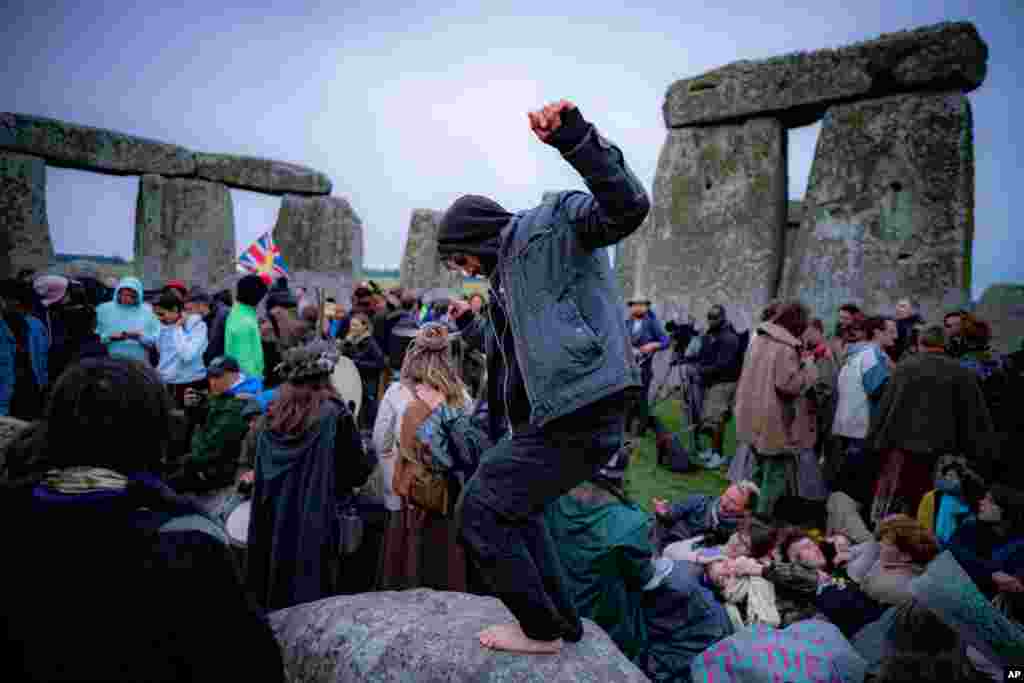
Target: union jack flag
pixel 264 259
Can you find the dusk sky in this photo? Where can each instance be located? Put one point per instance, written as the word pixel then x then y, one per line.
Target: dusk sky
pixel 409 107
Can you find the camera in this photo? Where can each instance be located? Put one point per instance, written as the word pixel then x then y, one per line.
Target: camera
pixel 681 333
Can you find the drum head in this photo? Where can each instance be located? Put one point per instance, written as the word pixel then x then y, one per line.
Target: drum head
pixel 238 523
pixel 347 383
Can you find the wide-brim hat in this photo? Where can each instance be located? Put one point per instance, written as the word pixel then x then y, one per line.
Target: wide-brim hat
pixel 638 300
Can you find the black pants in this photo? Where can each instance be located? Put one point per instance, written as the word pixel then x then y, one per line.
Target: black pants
pixel 501 513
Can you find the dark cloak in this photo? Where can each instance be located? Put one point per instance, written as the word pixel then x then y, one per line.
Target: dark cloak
pixel 293 527
pixel 933 406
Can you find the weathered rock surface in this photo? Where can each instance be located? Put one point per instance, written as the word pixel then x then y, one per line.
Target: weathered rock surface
pixel 320 234
pixel 62 143
pixel 24 231
pixel 185 229
pixel 420 267
pixel 1002 307
pixel 717 222
pixel 628 253
pixel 889 208
pixel 428 636
pixel 261 175
pixel 798 87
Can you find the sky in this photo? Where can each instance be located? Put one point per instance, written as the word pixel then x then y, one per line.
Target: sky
pixel 408 106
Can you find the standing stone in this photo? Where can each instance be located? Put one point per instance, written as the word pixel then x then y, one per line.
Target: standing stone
pixel 95 149
pixel 421 268
pixel 184 229
pixel 24 231
pixel 1002 307
pixel 717 221
pixel 261 175
pixel 889 208
pixel 321 241
pixel 628 253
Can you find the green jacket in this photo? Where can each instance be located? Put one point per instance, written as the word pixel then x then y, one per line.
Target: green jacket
pixel 217 444
pixel 242 339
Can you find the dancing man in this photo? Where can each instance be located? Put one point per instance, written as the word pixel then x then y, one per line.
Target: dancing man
pixel 559 369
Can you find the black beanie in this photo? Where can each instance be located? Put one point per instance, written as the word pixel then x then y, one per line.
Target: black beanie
pixel 470 224
pixel 280 296
pixel 251 290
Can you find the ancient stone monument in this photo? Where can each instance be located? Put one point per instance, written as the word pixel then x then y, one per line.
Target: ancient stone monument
pixel 420 267
pixel 889 210
pixel 184 221
pixel 425 635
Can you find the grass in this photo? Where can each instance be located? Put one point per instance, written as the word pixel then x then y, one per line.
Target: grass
pixel 645 480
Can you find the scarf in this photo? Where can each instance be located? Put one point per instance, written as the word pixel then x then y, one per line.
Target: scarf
pixel 84 479
pixel 759 595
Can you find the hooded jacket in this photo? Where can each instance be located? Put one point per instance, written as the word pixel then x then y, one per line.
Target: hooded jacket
pixel 558 291
pixel 181 351
pixel 861 380
pixel 770 411
pixel 242 339
pixel 217 444
pixel 113 318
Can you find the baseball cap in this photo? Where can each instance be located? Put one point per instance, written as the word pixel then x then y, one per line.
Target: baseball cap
pixel 221 364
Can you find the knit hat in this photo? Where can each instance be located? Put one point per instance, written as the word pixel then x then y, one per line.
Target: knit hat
pixel 50 288
pixel 280 296
pixel 310 361
pixel 251 290
pixel 469 224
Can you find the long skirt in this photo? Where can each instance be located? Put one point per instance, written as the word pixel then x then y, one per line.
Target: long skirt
pixel 421 550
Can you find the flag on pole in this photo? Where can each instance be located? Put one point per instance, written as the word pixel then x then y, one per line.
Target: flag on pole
pixel 264 259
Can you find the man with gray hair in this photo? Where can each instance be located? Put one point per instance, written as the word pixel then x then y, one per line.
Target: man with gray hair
pixel 700 515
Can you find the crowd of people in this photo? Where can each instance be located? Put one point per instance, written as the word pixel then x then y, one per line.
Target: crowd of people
pixel 488 454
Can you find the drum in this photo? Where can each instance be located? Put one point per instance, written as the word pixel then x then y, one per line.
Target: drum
pixel 347 383
pixel 234 514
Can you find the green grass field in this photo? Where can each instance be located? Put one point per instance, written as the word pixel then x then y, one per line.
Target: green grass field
pixel 645 480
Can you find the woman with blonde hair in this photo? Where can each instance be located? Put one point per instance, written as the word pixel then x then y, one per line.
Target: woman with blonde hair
pixel 421 547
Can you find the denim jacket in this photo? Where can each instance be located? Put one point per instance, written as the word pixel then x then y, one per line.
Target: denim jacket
pixel 564 303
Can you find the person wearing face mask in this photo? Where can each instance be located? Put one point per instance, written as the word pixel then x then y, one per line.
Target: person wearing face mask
pixel 943 510
pixel 362 348
pixel 990 547
pixel 559 368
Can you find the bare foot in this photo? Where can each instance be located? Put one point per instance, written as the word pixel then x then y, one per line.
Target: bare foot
pixel 510 638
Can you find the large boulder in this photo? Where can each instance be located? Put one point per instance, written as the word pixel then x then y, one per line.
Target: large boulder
pixel 261 175
pixel 717 222
pixel 428 636
pixel 62 143
pixel 889 209
pixel 184 229
pixel 24 230
pixel 420 267
pixel 1002 307
pixel 799 87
